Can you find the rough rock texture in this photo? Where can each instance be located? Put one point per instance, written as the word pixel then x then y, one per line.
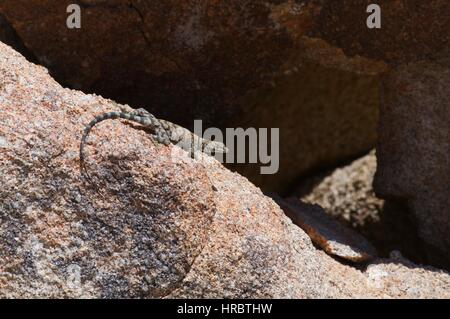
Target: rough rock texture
pixel 230 63
pixel 61 236
pixel 327 233
pixel 414 148
pixel 346 194
pixel 151 224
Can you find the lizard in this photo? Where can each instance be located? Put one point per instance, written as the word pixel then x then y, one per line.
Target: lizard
pixel 162 131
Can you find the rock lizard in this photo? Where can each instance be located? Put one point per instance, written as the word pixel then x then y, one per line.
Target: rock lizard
pixel 162 131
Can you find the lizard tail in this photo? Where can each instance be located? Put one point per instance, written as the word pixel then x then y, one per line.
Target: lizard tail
pixel 103 117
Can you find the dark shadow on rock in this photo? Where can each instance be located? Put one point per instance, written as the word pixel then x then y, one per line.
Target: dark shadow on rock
pixel 9 36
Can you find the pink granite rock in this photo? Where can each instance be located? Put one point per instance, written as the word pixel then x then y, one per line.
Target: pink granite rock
pixel 414 149
pixel 150 225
